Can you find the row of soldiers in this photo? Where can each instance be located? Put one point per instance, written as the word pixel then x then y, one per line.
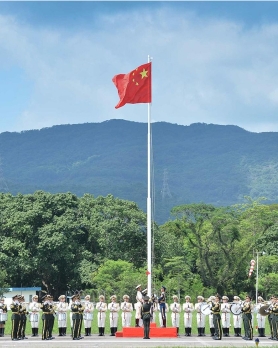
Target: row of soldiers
pixel 82 312
pixel 219 311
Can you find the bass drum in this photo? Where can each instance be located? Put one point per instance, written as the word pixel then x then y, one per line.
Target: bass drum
pixel 205 308
pixel 236 308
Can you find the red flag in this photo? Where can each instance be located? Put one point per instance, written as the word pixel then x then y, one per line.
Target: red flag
pixel 134 87
pixel 147 272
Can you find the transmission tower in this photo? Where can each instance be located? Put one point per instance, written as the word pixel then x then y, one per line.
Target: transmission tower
pixel 3 184
pixel 165 192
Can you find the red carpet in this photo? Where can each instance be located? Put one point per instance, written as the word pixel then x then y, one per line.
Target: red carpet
pixel 154 331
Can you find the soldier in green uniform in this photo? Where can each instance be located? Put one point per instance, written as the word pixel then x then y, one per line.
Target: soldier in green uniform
pixel 216 317
pixel 146 316
pixel 77 316
pixel 270 316
pixel 52 308
pixel 274 311
pixel 3 315
pixel 23 317
pixel 247 318
pixel 47 310
pixel 15 318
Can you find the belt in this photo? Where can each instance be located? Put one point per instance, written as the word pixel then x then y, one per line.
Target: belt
pixel 146 312
pixel 47 313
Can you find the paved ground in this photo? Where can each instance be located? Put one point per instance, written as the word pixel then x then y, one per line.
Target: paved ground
pixel 113 342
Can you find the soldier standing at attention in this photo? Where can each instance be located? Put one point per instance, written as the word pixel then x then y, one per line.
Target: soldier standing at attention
pixel 175 316
pixel 138 305
pixel 3 316
pixel 146 316
pixel 101 307
pixel 88 315
pixel 126 308
pixel 22 322
pixel 15 318
pixel 226 313
pixel 46 310
pixel 34 309
pixel 162 305
pixel 215 308
pixel 247 319
pixel 114 308
pixel 188 309
pixel 62 308
pixel 77 317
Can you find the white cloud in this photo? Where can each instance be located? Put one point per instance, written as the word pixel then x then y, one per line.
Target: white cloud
pixel 204 70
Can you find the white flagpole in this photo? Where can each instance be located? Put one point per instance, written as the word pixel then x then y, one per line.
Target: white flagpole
pixel 149 204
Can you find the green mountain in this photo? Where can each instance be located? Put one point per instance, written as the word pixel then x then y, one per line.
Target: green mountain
pixel 201 162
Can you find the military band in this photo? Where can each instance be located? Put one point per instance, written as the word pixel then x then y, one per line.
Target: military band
pixel 222 313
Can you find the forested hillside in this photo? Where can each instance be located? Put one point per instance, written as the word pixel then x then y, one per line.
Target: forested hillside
pixel 198 163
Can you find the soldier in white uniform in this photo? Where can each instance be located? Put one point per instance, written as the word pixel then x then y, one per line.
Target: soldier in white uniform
pixel 237 319
pixel 34 309
pixel 114 308
pixel 225 316
pixel 260 318
pixel 101 307
pixel 138 305
pixel 61 309
pixel 188 309
pixel 175 315
pixel 126 308
pixel 88 315
pixel 200 316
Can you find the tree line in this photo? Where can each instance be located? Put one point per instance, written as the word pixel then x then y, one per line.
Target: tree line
pixel 62 243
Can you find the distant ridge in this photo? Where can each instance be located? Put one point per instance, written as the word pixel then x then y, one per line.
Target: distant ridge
pixel 204 162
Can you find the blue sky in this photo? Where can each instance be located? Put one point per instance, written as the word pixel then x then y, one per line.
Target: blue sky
pixel 213 62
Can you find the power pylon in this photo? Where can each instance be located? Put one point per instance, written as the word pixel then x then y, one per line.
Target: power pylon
pixel 165 192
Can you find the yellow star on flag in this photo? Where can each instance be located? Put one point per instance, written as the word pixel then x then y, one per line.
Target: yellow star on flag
pixel 144 73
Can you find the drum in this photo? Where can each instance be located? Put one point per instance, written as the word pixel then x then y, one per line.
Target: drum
pixel 205 308
pixel 61 316
pixel 3 316
pixel 88 316
pixel 236 308
pixel 34 317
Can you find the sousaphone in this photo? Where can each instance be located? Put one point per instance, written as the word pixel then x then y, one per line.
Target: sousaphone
pixel 264 310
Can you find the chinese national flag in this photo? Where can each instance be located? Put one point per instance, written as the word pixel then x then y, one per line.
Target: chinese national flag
pixel 134 87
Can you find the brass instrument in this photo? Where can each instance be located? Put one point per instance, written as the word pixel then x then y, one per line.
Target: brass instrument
pixel 265 310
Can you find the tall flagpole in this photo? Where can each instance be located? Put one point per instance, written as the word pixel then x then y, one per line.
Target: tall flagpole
pixel 149 204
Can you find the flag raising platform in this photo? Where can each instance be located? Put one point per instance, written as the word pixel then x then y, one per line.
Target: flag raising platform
pixel 154 331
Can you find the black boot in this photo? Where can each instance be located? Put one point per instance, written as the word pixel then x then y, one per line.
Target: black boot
pixel 263 332
pixel 164 322
pixel 65 331
pixel 112 331
pixel 100 331
pixel 227 332
pixel 203 331
pixel 90 331
pixel 177 331
pixel 199 331
pixel 239 332
pixel 189 331
pixel 186 331
pixel 136 322
pixel 1 332
pixel 212 331
pixel 235 331
pixel 60 331
pixel 224 331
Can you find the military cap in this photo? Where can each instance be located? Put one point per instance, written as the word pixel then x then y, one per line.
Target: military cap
pixel 35 296
pixel 175 296
pixel 138 286
pixel 113 297
pixel 87 297
pixel 125 296
pixel 163 287
pixel 236 298
pixel 200 298
pixel 101 297
pixel 260 299
pixel 60 297
pixel 187 296
pixel 225 298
